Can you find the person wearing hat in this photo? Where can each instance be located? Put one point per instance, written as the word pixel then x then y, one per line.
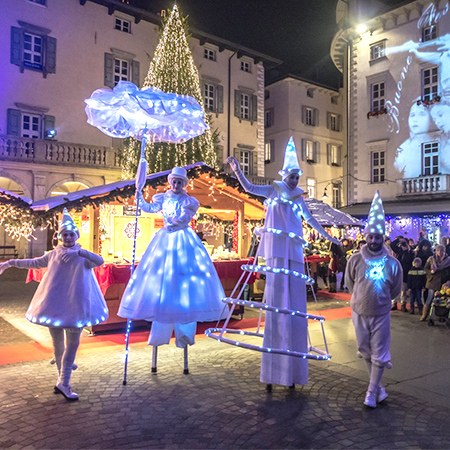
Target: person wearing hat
pixel 67 299
pixel 374 278
pixel 286 207
pixel 175 284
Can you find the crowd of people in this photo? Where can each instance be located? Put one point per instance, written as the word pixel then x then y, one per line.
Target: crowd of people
pixel 426 269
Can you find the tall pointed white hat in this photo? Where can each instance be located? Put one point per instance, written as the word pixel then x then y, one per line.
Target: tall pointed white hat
pixel 290 160
pixel 67 223
pixel 376 222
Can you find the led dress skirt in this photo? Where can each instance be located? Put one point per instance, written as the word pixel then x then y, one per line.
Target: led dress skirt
pixel 68 295
pixel 175 281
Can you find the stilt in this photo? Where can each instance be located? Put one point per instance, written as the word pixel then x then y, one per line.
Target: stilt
pixel 186 368
pixel 269 388
pixel 154 359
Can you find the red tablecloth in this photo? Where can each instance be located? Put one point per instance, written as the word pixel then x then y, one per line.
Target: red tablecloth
pixel 109 274
pixel 317 259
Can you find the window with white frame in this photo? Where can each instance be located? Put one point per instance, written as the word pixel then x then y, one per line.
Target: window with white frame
pixel 377 96
pixel 209 96
pixel 121 70
pixel 336 199
pixel 245 162
pixel 334 155
pixel 209 53
pixel 429 33
pixel 122 25
pixel 430 151
pixel 378 167
pixel 430 79
pixel 33 55
pixel 268 151
pixel 31 126
pixel 310 116
pixel 32 48
pixel 334 122
pixel 245 106
pixel 309 151
pixel 268 118
pixel 246 66
pixel 377 50
pixel 311 187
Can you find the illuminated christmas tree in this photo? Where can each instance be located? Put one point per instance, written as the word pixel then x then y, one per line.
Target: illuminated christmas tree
pixel 172 69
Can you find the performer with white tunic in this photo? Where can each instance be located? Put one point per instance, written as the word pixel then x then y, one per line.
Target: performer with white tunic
pixel 67 299
pixel 175 284
pixel 374 278
pixel 284 212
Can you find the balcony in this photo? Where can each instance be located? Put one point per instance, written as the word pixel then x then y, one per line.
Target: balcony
pixel 40 151
pixel 430 184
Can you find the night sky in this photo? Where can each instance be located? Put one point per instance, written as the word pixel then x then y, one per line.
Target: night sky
pixel 299 32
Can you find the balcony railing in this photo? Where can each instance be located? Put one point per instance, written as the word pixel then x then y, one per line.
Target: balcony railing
pixel 42 151
pixel 425 185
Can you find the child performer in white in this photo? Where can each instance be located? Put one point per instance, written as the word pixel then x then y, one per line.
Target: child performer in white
pixel 374 278
pixel 67 299
pixel 175 284
pixel 284 213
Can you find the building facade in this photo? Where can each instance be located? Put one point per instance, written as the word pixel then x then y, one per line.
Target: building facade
pixel 313 116
pixel 55 53
pixel 396 74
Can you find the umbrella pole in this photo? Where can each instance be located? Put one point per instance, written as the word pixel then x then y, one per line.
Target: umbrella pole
pixel 127 335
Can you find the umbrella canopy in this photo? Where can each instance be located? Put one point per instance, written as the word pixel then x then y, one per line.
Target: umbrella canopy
pixel 127 111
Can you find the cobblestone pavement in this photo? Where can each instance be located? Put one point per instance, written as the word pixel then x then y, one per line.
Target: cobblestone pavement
pixel 222 404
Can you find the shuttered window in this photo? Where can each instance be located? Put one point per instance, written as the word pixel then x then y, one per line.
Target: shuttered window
pixel 245 106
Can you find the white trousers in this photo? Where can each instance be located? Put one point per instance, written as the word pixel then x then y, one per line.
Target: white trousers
pixel 161 333
pixel 373 336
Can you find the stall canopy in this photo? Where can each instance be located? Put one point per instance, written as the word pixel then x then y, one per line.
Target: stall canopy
pixel 328 216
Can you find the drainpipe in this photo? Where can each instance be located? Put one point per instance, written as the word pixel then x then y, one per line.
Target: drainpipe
pixel 229 106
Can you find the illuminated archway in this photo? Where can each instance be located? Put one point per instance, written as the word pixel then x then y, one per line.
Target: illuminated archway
pixel 67 188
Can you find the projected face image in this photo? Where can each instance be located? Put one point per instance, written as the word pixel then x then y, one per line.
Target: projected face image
pixel 441 116
pixel 419 119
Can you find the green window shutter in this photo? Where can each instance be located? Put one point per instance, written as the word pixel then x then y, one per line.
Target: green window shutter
pixel 329 120
pixel 135 66
pixel 303 149
pixel 316 117
pixel 316 152
pixel 50 55
pixel 254 114
pixel 49 123
pixel 254 163
pixel 16 47
pixel 339 155
pixel 219 90
pixel 237 154
pixel 329 154
pixel 109 70
pixel 304 114
pixel 237 103
pixel 13 126
pixel 339 123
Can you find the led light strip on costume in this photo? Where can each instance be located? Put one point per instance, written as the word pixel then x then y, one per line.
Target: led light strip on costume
pixel 57 322
pixel 212 333
pixel 295 206
pixel 289 234
pixel 277 270
pixel 266 307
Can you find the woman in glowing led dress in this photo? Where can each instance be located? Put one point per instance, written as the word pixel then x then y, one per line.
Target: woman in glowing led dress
pixel 175 284
pixel 67 299
pixel 285 210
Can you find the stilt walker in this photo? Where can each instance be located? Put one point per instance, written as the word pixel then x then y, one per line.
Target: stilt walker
pixel 285 345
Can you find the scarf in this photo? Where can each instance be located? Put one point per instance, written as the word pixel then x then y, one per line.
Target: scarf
pixel 439 264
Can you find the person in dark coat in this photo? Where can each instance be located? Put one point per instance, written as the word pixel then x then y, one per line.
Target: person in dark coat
pixel 346 251
pixel 424 251
pixel 405 255
pixel 417 279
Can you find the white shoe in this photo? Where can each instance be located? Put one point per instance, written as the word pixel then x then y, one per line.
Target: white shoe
pixel 370 400
pixel 382 394
pixel 66 391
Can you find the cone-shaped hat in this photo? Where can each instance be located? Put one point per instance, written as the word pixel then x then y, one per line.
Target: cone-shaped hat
pixel 67 223
pixel 290 161
pixel 376 222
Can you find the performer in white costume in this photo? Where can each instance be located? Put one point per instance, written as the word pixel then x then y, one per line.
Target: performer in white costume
pixel 67 299
pixel 175 284
pixel 374 278
pixel 284 213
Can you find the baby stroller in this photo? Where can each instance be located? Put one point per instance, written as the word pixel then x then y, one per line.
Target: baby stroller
pixel 440 310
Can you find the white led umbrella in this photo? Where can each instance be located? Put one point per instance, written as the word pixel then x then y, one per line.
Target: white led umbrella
pixel 127 111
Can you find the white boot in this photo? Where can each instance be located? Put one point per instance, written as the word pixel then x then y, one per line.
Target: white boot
pixel 66 391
